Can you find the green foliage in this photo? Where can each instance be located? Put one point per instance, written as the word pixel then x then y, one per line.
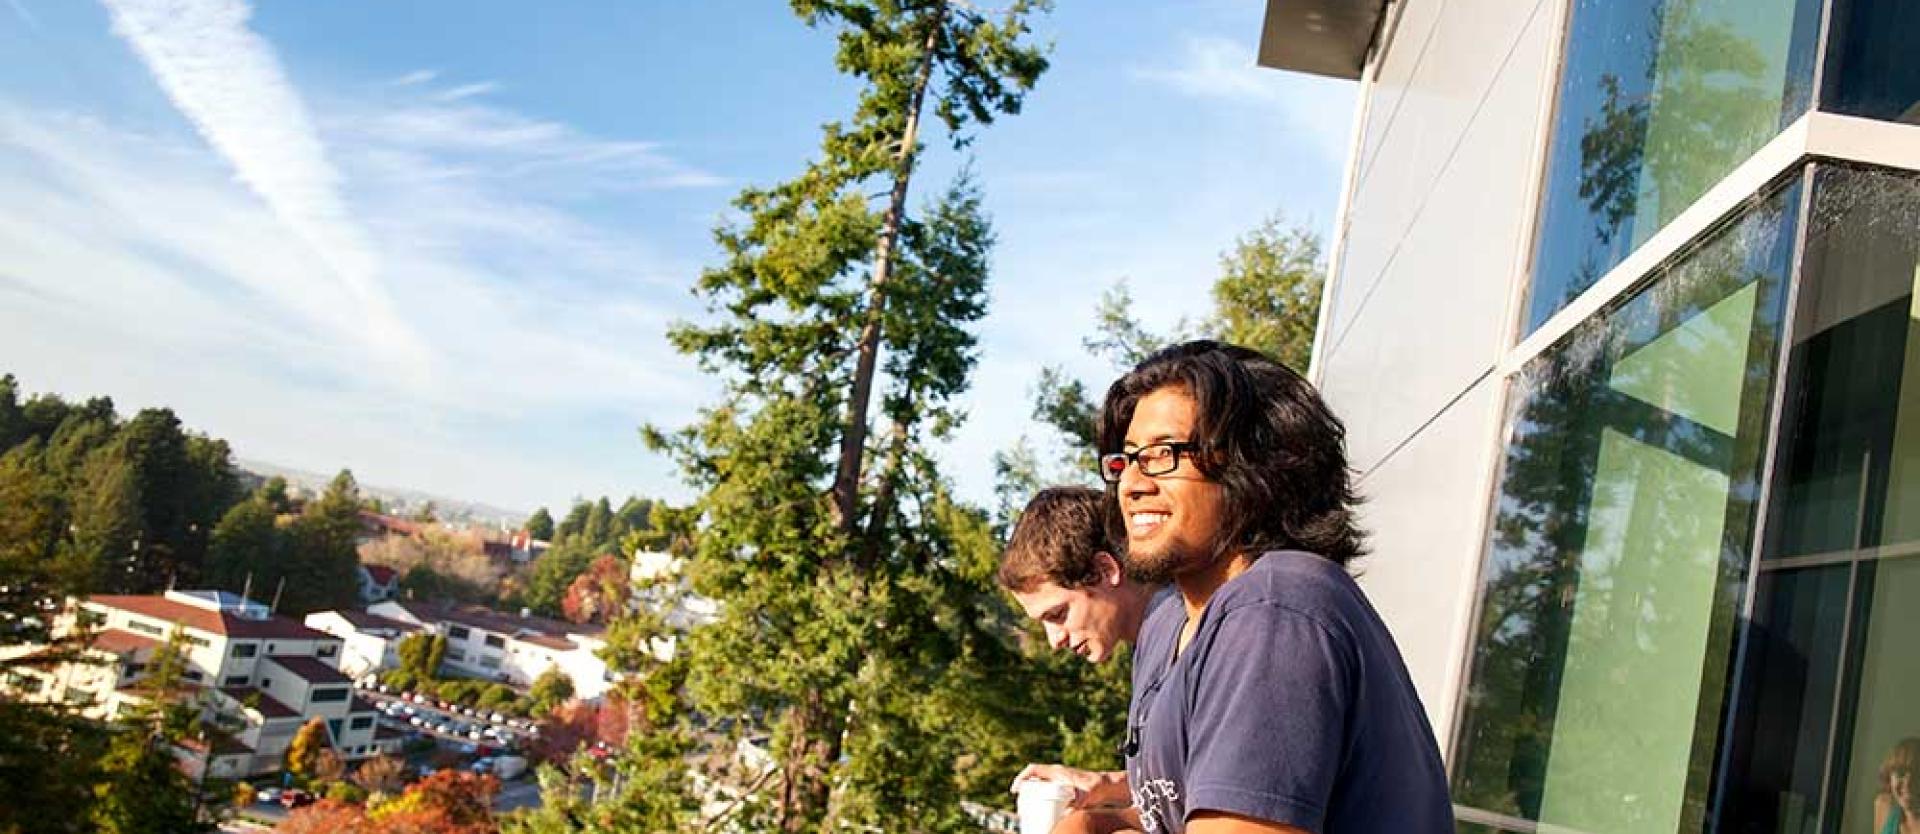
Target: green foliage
pixel 1268 294
pixel 1267 297
pixel 50 762
pixel 89 503
pixel 880 608
pixel 347 792
pixel 140 789
pixel 553 572
pixel 550 690
pixel 540 525
pixel 309 560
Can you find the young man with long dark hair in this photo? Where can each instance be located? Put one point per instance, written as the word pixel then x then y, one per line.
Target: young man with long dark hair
pixel 1271 697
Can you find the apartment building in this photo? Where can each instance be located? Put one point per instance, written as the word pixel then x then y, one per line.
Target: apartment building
pixel 370 642
pixel 258 677
pixel 490 645
pixel 1622 320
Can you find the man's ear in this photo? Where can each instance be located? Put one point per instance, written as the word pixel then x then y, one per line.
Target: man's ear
pixel 1111 573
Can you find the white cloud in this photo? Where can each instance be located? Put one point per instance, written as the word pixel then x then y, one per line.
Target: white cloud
pixel 415 77
pixel 469 91
pixel 452 130
pixel 1223 69
pixel 138 266
pixel 228 82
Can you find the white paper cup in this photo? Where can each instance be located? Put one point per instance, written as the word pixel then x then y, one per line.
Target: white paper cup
pixel 1042 804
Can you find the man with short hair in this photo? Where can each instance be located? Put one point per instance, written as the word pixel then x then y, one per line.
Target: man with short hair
pixel 1061 568
pixel 1271 698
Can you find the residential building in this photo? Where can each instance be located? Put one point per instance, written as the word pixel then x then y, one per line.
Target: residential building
pixel 371 642
pixel 257 676
pixel 377 583
pixel 487 644
pixel 1622 321
pixel 659 586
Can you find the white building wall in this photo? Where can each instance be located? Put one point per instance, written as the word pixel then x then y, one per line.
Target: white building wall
pixel 1436 237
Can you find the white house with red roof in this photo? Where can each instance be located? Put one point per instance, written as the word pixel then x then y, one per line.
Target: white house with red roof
pixel 378 582
pixel 257 676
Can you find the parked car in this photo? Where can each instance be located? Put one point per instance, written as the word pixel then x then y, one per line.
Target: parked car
pixel 296 798
pixel 267 795
pixel 508 767
pixel 496 718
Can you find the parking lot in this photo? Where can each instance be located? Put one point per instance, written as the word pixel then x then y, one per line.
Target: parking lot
pixel 450 722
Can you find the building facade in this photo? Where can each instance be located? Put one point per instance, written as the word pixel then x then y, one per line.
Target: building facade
pixel 1622 321
pixel 257 677
pixel 369 642
pixel 490 645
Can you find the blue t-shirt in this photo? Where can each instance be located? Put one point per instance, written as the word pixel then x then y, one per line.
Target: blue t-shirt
pixel 1290 705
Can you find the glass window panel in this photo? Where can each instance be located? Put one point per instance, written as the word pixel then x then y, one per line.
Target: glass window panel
pixel 1829 692
pixel 1620 534
pixel 1870 67
pixel 1658 100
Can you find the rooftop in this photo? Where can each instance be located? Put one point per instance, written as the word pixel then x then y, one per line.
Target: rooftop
pixel 266 704
pixel 524 627
pixel 309 669
pixel 363 620
pixel 116 641
pixel 212 621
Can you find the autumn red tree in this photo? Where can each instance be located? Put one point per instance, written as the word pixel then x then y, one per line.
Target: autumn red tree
pixel 448 802
pixel 328 816
pixel 599 593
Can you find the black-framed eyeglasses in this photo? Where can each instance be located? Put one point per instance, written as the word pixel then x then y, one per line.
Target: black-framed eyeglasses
pixel 1153 459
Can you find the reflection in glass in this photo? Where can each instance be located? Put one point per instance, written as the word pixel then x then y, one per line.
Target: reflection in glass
pixel 1620 535
pixel 1871 71
pixel 1658 100
pixel 1832 685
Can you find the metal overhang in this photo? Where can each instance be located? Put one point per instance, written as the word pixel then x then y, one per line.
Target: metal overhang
pixel 1322 37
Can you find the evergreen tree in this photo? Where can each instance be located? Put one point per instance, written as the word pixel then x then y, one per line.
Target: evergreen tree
pixel 323 562
pixel 246 545
pixel 837 601
pixel 598 531
pixel 540 525
pixel 574 523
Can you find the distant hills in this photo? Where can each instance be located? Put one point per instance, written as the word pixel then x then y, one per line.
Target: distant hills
pixel 398 501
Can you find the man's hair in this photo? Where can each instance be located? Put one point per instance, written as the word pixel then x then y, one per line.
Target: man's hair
pixel 1263 433
pixel 1056 539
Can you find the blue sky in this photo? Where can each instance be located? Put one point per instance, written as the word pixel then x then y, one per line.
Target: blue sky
pixel 440 242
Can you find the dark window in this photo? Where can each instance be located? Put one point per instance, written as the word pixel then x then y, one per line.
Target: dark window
pixel 496 641
pixel 1658 100
pixel 362 722
pixel 194 675
pixel 333 727
pixel 245 649
pixel 321 696
pixel 1625 511
pixel 196 641
pixel 1826 702
pixel 237 680
pixel 327 650
pixel 266 683
pixel 146 628
pixel 459 632
pixel 1870 67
